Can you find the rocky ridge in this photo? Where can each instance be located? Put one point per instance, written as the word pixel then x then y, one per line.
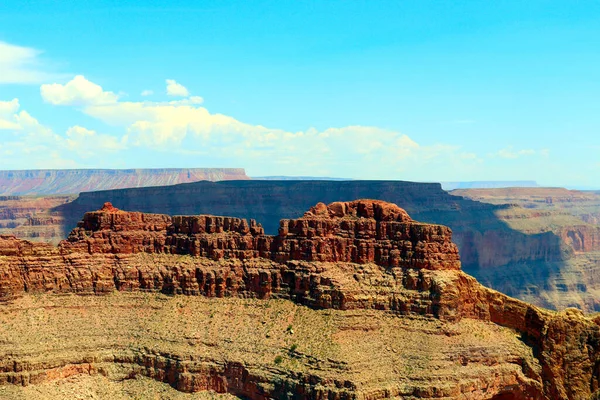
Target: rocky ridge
pixel 73 181
pixel 359 257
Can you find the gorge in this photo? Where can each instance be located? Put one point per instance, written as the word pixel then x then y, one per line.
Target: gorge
pixel 351 300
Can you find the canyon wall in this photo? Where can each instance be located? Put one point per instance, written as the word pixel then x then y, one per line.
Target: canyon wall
pixel 487 241
pixel 570 215
pixel 543 256
pixel 346 256
pixel 33 218
pixel 487 244
pixel 74 181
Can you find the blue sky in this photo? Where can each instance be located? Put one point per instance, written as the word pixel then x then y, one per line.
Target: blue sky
pixel 410 90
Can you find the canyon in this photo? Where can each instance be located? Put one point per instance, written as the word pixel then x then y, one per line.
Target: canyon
pixel 354 299
pixel 519 262
pixel 547 256
pixel 571 215
pixel 33 217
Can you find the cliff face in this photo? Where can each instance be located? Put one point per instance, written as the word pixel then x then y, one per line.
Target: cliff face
pixel 488 245
pixel 569 215
pixel 32 217
pixel 53 182
pixel 549 257
pixel 362 263
pixel 269 201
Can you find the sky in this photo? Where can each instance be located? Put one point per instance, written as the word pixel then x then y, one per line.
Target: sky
pixel 404 90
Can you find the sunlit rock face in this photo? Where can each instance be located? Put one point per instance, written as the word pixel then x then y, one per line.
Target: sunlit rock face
pixel 366 302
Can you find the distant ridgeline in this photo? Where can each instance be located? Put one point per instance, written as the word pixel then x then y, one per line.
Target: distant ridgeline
pixel 487 184
pixel 73 181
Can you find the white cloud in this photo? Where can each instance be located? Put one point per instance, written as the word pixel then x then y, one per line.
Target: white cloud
pixel 11 119
pixel 186 129
pixel 21 65
pixel 26 143
pixel 510 153
pixel 77 92
pixel 8 107
pixel 88 143
pixel 176 89
pixel 147 93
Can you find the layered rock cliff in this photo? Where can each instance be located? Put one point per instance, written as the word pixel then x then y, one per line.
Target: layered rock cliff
pixel 569 215
pixel 32 217
pixel 73 181
pixel 374 281
pixel 483 239
pixel 491 249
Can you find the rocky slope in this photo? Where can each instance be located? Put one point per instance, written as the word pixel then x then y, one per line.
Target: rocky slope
pixel 73 181
pixel 570 215
pixel 352 300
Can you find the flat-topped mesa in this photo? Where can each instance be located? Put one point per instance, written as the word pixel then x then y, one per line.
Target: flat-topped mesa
pixel 362 231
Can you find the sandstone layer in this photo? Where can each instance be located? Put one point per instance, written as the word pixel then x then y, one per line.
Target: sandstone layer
pixel 491 249
pixel 483 238
pixel 544 256
pixel 352 300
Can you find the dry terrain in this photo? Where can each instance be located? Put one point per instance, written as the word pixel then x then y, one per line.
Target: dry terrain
pixel 60 337
pixel 354 300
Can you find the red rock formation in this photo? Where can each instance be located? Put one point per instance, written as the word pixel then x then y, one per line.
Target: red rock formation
pixel 360 232
pixel 364 254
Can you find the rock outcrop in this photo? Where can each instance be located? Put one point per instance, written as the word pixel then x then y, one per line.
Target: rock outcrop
pixel 365 257
pixel 484 240
pixel 491 249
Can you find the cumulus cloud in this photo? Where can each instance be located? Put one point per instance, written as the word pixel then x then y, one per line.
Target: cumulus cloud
pixel 175 89
pixel 21 65
pixel 183 127
pixel 77 92
pixel 26 143
pixel 11 119
pixel 147 93
pixel 88 143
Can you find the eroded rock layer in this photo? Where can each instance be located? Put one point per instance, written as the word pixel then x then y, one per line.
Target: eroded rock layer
pixel 73 181
pixel 358 262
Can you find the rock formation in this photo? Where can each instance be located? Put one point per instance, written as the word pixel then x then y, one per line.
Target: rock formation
pixel 375 279
pixel 543 249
